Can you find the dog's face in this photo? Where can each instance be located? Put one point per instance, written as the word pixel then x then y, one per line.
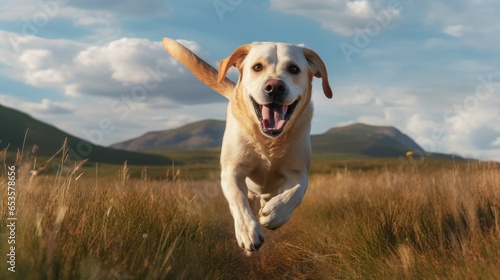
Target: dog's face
pixel 275 81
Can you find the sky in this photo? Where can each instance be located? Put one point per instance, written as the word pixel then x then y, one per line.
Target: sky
pixel 97 69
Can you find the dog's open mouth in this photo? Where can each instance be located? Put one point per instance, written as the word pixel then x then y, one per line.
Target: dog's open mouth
pixel 273 116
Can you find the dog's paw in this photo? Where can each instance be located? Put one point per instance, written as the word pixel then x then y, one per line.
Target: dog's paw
pixel 275 213
pixel 249 235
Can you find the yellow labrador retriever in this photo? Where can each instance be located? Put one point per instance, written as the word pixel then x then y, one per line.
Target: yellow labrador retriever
pixel 266 150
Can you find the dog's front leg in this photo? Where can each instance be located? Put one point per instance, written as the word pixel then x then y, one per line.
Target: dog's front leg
pixel 249 233
pixel 278 210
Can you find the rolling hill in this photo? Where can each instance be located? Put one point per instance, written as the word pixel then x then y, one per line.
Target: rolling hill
pixel 49 140
pixel 366 140
pixel 352 140
pixel 194 136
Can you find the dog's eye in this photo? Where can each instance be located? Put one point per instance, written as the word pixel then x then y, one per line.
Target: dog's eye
pixel 293 69
pixel 257 67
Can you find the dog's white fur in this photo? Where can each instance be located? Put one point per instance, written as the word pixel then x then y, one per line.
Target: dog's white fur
pixel 259 168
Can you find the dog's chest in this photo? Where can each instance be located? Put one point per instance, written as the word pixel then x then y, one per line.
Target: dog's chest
pixel 270 152
pixel 267 178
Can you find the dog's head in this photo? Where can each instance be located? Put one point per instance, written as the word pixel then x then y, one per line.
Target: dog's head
pixel 275 81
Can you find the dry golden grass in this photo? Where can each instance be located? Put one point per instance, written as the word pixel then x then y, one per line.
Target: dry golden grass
pixel 410 223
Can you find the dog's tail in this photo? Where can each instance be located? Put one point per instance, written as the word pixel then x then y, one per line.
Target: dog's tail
pixel 202 70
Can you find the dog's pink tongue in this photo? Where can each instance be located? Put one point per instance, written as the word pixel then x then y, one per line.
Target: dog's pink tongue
pixel 273 116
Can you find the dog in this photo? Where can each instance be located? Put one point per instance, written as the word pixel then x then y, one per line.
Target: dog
pixel 266 148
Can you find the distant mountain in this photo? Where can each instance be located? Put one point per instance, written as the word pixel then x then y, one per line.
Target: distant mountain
pixel 354 140
pixel 194 136
pixel 49 139
pixel 365 140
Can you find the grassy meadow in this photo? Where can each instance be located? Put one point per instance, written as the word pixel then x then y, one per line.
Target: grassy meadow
pixel 404 220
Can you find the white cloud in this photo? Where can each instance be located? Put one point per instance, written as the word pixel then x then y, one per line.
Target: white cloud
pixel 103 19
pixel 361 8
pixel 420 113
pixel 19 9
pixel 359 96
pixel 45 107
pixel 81 12
pixel 474 22
pixel 471 66
pixel 124 59
pixel 455 30
pixel 344 17
pixel 34 60
pixel 496 142
pixel 133 82
pixel 129 66
pixel 34 16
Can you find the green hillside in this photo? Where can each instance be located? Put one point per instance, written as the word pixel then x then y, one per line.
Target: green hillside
pixel 351 141
pixel 48 139
pixel 199 135
pixel 365 140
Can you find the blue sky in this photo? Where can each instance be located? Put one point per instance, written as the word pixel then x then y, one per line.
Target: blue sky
pixel 97 70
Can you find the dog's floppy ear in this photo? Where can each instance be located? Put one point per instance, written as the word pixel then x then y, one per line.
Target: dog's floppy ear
pixel 319 70
pixel 234 59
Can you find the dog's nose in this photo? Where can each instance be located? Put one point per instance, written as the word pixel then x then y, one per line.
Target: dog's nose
pixel 275 87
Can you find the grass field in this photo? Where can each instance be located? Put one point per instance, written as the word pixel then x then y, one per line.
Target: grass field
pixel 407 221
